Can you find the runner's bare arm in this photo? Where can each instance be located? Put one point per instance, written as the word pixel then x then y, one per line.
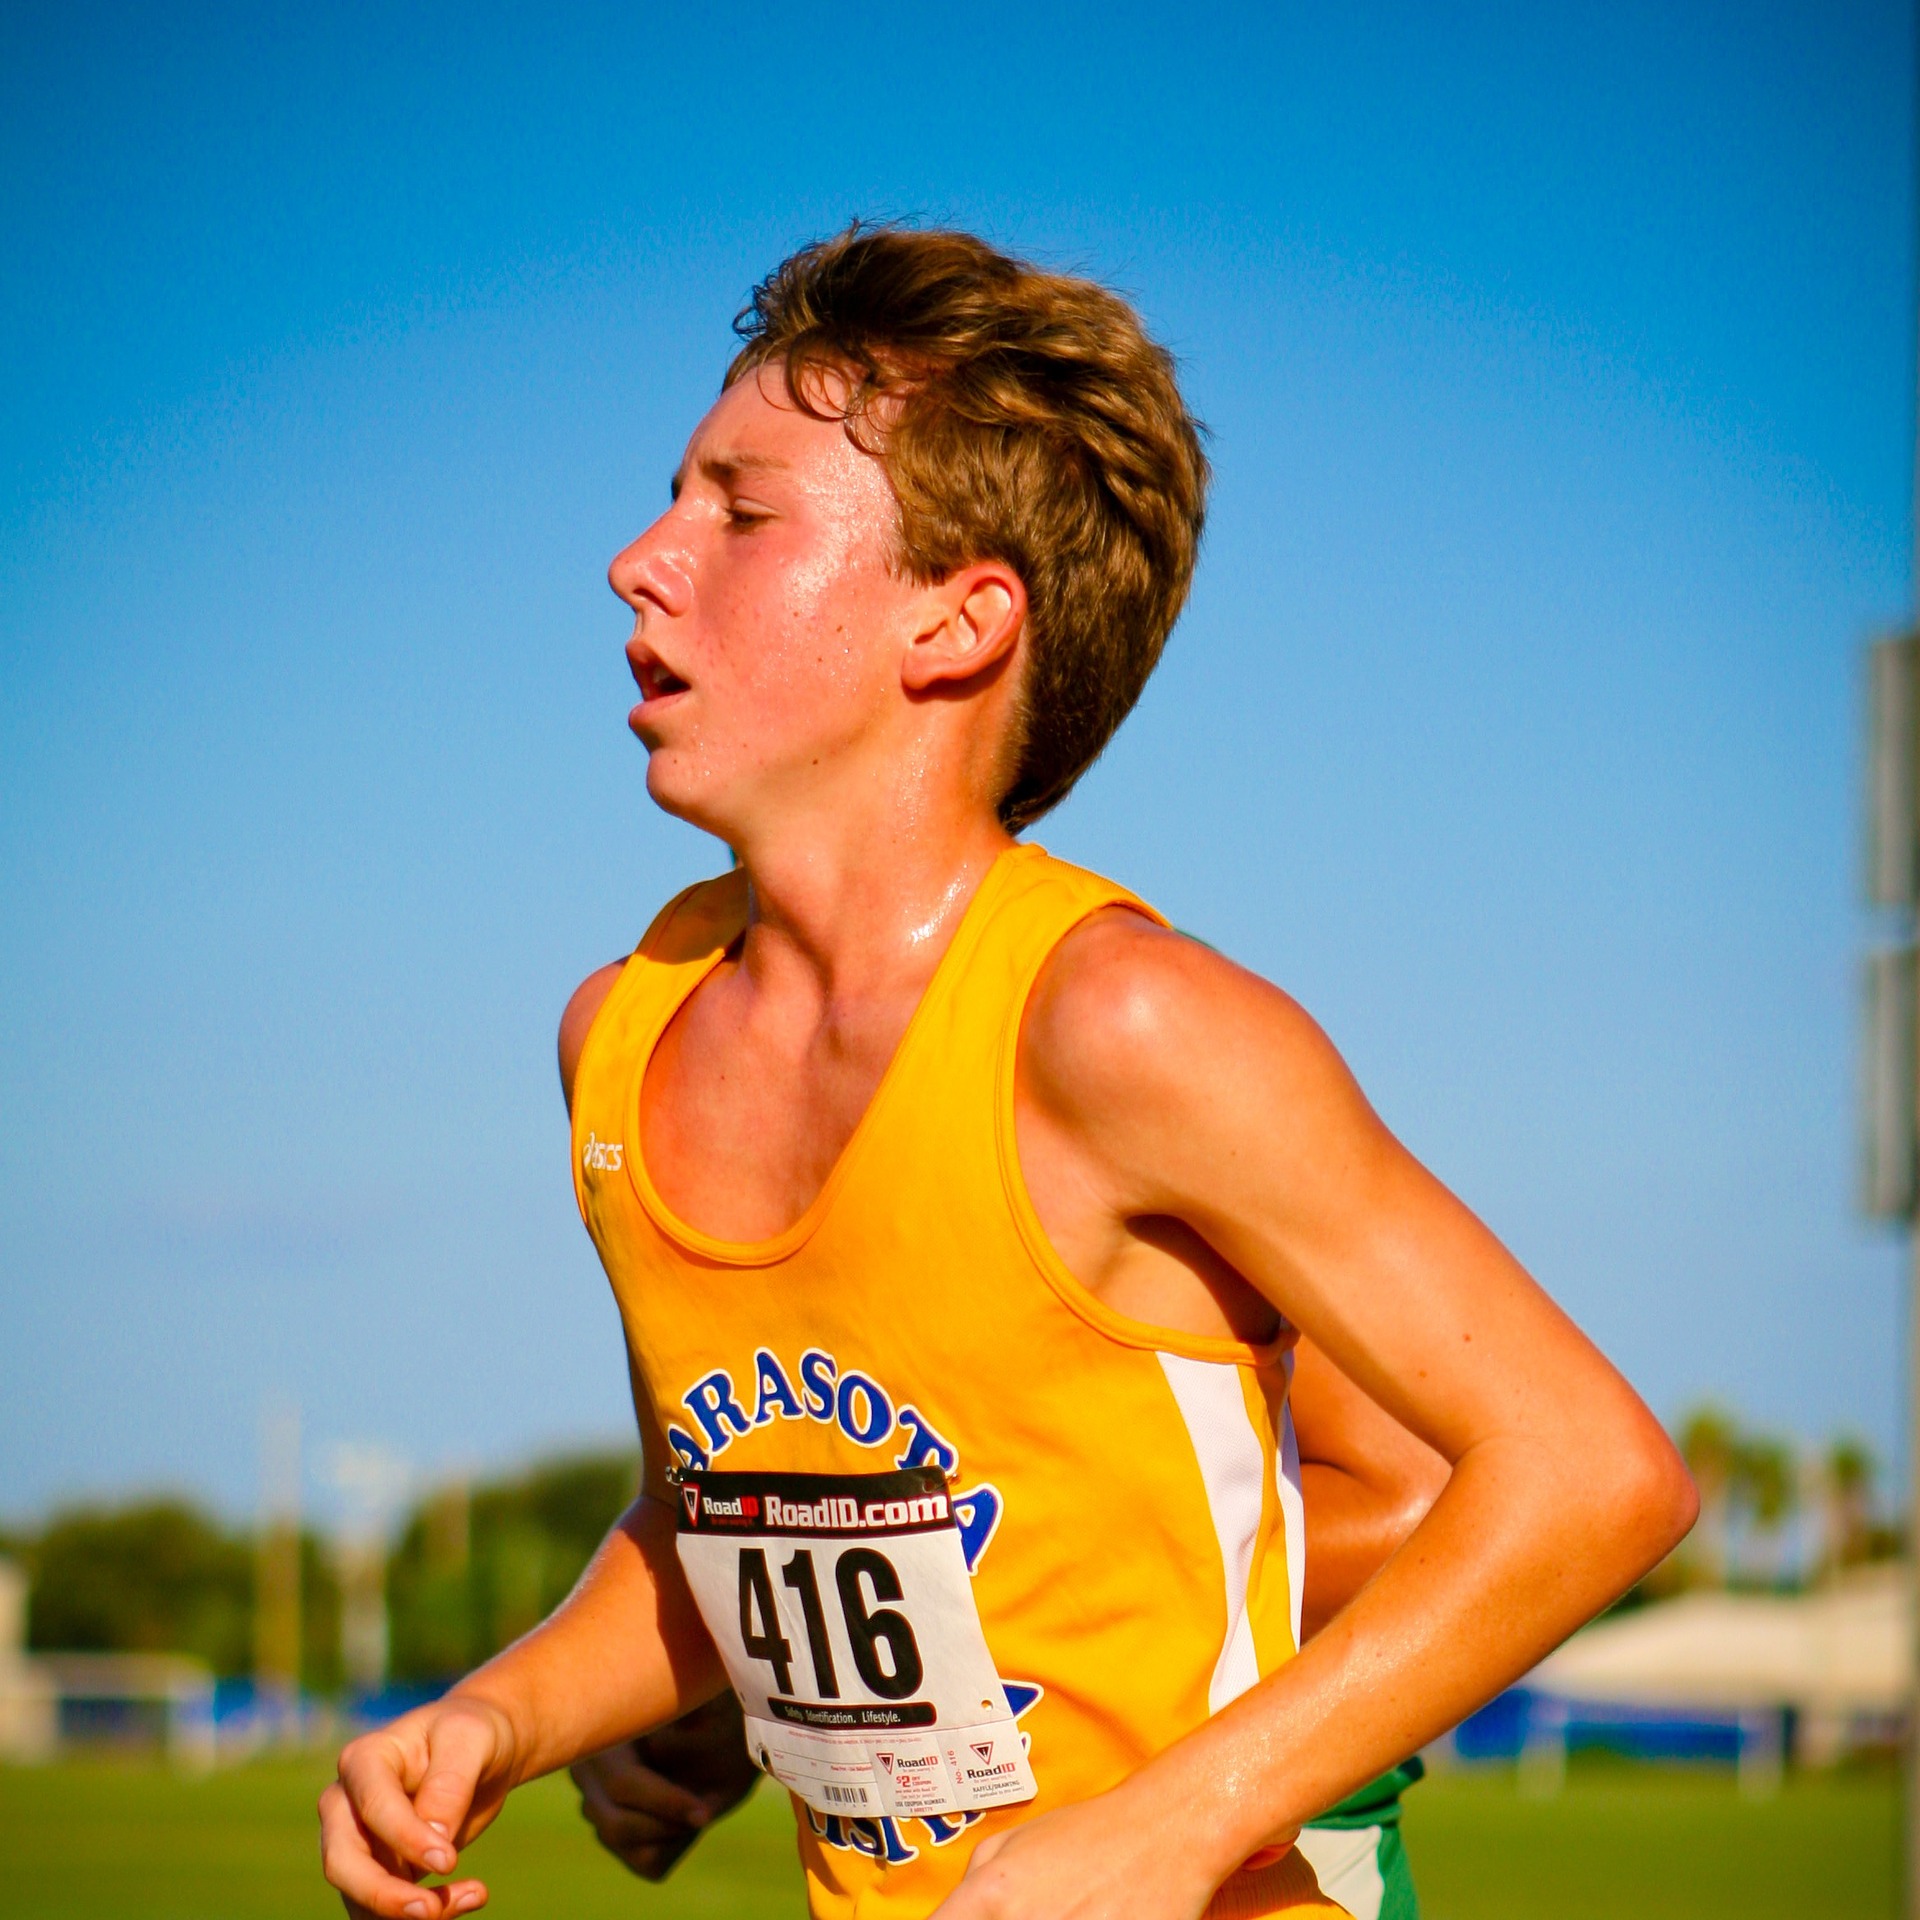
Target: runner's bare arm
pixel 625 1650
pixel 588 998
pixel 1191 1089
pixel 411 1795
pixel 1365 1480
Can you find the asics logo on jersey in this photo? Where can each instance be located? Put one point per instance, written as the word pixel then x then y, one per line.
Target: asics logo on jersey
pixel 602 1156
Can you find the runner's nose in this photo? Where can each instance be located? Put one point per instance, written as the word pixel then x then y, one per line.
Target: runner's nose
pixel 651 571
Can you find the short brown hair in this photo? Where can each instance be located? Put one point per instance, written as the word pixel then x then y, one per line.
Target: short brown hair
pixel 1028 419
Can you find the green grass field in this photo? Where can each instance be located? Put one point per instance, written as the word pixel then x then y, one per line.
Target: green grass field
pixel 105 1842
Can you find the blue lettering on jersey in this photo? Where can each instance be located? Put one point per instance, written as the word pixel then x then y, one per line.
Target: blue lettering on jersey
pixel 1021 1694
pixel 977 1514
pixel 773 1395
pixel 926 1448
pixel 881 1838
pixel 711 1402
pixel 816 1382
pixel 856 1403
pixel 853 1401
pixel 865 1427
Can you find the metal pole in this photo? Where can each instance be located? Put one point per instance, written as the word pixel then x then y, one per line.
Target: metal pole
pixel 1912 1808
pixel 1911 1906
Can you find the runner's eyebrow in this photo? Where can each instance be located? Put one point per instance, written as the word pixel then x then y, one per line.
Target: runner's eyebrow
pixel 724 469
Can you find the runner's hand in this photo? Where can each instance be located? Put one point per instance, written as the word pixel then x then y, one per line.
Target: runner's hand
pixel 648 1800
pixel 1095 1861
pixel 641 1817
pixel 407 1799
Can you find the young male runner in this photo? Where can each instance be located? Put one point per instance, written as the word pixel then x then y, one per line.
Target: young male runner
pixel 1365 1482
pixel 960 1215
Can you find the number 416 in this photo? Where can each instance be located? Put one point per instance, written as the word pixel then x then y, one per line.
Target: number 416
pixel 869 1625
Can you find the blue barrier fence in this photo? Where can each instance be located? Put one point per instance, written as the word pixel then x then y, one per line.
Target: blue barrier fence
pixel 1524 1719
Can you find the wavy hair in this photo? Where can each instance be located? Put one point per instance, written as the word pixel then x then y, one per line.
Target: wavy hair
pixel 1022 416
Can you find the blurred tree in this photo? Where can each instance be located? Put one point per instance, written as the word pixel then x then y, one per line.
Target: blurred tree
pixel 319 1617
pixel 475 1568
pixel 1749 1485
pixel 1765 1487
pixel 1846 1477
pixel 162 1577
pixel 1709 1442
pixel 154 1578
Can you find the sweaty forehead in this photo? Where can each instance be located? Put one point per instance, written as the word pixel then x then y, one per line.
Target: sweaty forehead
pixel 754 428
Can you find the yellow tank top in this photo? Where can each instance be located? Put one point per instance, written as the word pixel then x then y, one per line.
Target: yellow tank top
pixel 1127 1498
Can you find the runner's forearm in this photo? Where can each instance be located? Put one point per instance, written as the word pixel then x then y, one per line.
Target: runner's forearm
pixel 592 1672
pixel 1524 1545
pixel 1353 1528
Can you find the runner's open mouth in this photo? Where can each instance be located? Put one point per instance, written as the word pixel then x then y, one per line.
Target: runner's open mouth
pixel 656 682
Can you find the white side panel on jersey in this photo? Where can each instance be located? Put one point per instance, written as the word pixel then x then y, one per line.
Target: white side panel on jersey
pixel 1293 1507
pixel 1233 1468
pixel 1346 1862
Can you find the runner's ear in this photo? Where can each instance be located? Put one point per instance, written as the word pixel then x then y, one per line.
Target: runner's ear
pixel 972 622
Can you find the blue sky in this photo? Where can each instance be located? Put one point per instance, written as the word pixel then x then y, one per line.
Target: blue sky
pixel 1560 366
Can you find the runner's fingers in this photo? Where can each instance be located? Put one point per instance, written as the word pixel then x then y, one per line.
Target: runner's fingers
pixel 626 1832
pixel 366 1886
pixel 606 1816
pixel 652 1863
pixel 650 1859
pixel 372 1791
pixel 461 1747
pixel 432 1903
pixel 628 1782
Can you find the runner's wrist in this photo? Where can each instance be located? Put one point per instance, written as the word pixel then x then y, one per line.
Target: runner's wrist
pixel 1236 1821
pixel 513 1745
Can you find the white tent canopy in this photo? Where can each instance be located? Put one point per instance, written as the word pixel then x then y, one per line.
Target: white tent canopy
pixel 1843 1650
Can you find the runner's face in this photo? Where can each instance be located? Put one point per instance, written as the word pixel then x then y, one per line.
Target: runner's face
pixel 768 622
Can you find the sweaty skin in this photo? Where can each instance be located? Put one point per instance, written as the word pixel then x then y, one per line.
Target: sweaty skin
pixel 1366 1482
pixel 1195 1148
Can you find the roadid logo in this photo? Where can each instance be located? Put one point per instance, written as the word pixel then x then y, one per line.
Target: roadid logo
pixel 838 1514
pixel 705 1506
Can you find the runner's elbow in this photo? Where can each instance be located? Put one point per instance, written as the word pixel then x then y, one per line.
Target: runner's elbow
pixel 1650 1500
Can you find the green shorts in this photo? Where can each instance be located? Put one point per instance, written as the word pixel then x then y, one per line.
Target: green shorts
pixel 1356 1853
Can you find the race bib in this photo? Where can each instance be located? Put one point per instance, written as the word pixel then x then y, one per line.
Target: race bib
pixel 842 1606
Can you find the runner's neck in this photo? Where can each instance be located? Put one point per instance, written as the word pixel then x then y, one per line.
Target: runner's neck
pixel 846 921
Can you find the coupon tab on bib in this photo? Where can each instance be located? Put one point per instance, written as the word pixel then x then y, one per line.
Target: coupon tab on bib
pixel 842 1606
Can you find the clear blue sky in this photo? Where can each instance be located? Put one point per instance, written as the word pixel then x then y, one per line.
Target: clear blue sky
pixel 1560 363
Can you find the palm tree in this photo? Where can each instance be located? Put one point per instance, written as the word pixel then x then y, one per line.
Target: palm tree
pixel 1709 1443
pixel 1847 1473
pixel 1747 1488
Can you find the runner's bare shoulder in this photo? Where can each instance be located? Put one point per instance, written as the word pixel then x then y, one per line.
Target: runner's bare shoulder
pixel 1161 1057
pixel 588 998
